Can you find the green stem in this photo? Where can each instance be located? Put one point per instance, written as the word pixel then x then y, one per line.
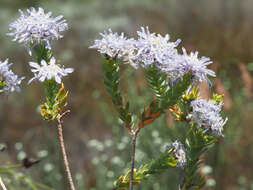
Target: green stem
pixel 182 180
pixel 11 167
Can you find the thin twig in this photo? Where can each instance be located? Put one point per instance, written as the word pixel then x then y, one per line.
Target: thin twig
pixel 182 180
pixel 64 154
pixel 133 158
pixel 2 184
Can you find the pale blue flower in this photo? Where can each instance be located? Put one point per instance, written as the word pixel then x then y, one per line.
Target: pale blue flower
pixel 37 27
pixel 206 114
pixel 154 48
pixel 197 66
pixel 11 80
pixel 48 71
pixel 179 153
pixel 116 46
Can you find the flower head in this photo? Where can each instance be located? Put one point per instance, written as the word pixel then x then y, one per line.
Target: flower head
pixel 9 81
pixel 37 26
pixel 179 153
pixel 151 48
pixel 116 46
pixel 154 48
pixel 48 71
pixel 207 115
pixel 191 63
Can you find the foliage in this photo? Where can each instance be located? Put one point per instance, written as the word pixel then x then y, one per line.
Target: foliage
pixel 56 101
pixel 111 82
pixel 221 40
pixel 167 96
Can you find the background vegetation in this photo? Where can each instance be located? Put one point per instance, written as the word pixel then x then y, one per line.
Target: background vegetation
pixel 98 146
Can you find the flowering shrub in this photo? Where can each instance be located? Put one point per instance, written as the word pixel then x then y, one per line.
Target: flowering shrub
pixel 173 79
pixel 36 30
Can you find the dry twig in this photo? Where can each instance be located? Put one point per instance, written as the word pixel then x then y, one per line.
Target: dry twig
pixel 64 154
pixel 2 184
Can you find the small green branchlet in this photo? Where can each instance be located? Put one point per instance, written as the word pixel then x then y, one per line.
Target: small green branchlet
pixel 47 71
pixel 112 81
pixel 55 104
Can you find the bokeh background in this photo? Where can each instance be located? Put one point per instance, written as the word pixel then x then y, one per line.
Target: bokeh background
pixel 97 145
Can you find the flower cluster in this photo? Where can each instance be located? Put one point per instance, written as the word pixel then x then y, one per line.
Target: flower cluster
pixel 37 26
pixel 207 115
pixel 48 71
pixel 154 49
pixel 197 66
pixel 116 46
pixel 179 153
pixel 9 81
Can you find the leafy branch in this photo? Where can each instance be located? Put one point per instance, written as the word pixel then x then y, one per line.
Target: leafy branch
pixel 197 143
pixel 112 81
pixel 166 96
pixel 165 161
pixel 56 101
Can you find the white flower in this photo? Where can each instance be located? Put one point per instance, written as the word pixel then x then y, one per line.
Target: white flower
pixel 197 66
pixel 37 26
pixel 116 46
pixel 9 81
pixel 48 71
pixel 154 48
pixel 207 115
pixel 179 153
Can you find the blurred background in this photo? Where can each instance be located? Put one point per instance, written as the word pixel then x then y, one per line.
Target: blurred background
pixel 97 144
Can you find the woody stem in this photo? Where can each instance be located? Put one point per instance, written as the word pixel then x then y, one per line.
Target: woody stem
pixel 64 154
pixel 133 157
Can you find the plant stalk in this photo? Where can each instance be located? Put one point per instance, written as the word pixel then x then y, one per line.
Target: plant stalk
pixel 64 154
pixel 182 180
pixel 2 184
pixel 133 158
